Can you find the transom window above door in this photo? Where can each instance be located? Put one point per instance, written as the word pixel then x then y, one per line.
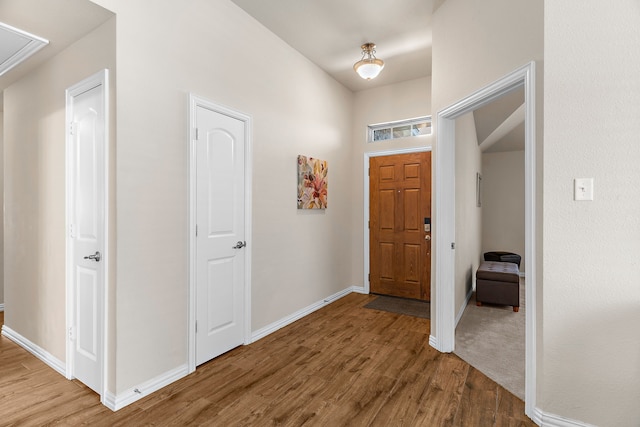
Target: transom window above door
pixel 399 129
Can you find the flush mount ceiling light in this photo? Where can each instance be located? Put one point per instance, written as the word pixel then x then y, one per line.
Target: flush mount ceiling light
pixel 369 66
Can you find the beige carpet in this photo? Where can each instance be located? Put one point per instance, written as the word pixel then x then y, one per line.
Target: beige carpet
pixel 492 339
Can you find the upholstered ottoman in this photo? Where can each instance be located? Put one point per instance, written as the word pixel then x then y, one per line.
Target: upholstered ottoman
pixel 502 257
pixel 498 283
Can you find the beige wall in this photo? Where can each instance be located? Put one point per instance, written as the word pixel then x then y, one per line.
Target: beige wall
pixel 503 203
pixel 34 177
pixel 587 345
pixel 468 214
pixel 399 101
pixel 476 43
pixel 591 265
pixel 2 210
pixel 209 48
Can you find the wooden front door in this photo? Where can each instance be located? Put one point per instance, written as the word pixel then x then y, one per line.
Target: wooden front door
pixel 400 205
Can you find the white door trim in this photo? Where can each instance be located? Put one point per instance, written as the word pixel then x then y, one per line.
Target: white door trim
pixel 443 337
pixel 194 103
pixel 367 157
pixel 101 78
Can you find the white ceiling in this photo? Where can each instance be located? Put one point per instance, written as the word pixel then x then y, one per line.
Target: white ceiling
pixel 62 22
pixel 330 33
pixel 500 124
pixel 16 46
pixel 327 32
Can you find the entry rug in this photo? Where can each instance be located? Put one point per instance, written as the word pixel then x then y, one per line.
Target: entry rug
pixel 409 307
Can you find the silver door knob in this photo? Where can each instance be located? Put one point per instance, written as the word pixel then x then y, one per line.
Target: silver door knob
pixel 96 257
pixel 239 245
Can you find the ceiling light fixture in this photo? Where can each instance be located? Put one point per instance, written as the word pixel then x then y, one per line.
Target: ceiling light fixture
pixel 369 66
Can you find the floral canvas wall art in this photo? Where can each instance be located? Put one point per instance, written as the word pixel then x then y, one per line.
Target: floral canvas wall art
pixel 312 183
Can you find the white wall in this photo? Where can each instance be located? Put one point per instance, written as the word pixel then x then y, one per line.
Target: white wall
pixel 34 191
pixel 503 203
pixel 389 103
pixel 468 214
pixel 591 264
pixel 215 50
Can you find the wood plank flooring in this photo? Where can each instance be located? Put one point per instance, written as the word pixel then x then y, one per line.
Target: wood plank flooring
pixel 343 365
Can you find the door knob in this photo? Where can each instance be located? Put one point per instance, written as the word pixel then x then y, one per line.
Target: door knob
pixel 96 257
pixel 427 237
pixel 239 245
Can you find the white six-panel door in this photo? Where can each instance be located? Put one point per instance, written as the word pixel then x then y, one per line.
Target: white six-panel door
pixel 86 217
pixel 220 240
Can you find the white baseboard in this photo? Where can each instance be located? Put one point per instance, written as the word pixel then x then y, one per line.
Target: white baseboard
pixel 433 341
pixel 269 329
pixel 119 401
pixel 464 306
pixel 2 307
pixel 42 354
pixel 551 420
pixel 359 290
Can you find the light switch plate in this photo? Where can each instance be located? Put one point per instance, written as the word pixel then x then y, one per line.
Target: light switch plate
pixel 583 189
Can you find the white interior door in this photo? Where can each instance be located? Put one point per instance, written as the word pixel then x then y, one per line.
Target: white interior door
pixel 220 240
pixel 86 171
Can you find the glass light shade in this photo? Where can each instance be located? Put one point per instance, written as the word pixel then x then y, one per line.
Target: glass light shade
pixel 369 68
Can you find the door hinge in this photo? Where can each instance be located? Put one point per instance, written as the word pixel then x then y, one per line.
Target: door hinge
pixel 369 277
pixel 453 245
pixel 71 232
pixel 196 230
pixel 72 335
pixel 197 134
pixel 72 128
pixel 369 224
pixel 196 326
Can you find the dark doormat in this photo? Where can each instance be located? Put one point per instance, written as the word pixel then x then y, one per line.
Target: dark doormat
pixel 409 307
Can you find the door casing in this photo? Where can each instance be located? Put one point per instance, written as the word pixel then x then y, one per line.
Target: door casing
pixel 100 78
pixel 443 225
pixel 195 102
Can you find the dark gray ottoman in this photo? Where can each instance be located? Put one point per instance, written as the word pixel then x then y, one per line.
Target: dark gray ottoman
pixel 498 283
pixel 503 257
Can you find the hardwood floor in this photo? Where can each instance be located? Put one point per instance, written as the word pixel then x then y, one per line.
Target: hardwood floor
pixel 342 365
